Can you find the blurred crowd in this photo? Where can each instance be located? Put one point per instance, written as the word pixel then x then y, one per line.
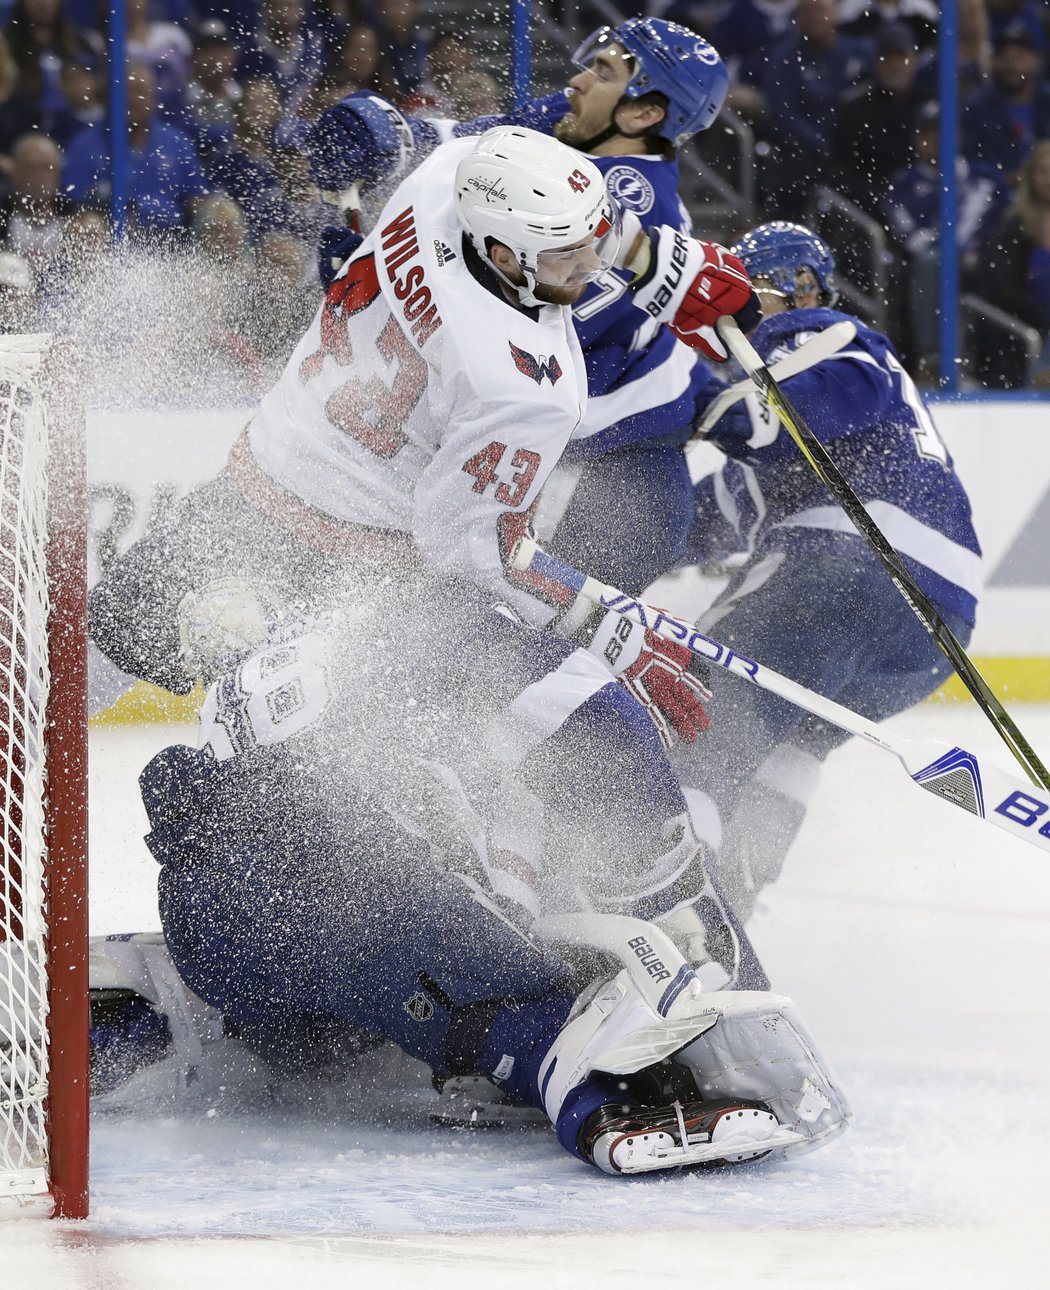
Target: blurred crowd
pixel 217 276
pixel 223 220
pixel 843 94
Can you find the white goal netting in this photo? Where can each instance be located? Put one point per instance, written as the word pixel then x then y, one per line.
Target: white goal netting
pixel 24 685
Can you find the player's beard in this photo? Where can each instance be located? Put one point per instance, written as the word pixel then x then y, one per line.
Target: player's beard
pixel 558 295
pixel 567 129
pixel 574 130
pixel 577 131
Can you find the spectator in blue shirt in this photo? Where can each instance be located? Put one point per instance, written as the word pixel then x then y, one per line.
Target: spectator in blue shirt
pixel 83 103
pixel 873 131
pixel 912 213
pixel 404 46
pixel 166 177
pixel 804 79
pixel 209 111
pixel 1001 123
pixel 974 53
pixel 287 49
pixel 357 61
pixel 245 169
pixel 163 46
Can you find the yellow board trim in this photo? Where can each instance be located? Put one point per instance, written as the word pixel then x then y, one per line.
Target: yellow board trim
pixel 1012 680
pixel 146 704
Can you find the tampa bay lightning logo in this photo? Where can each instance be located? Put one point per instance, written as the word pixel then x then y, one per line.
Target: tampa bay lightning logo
pixel 630 188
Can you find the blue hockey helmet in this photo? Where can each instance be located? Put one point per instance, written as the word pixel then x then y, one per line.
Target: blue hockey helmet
pixel 670 58
pixel 777 251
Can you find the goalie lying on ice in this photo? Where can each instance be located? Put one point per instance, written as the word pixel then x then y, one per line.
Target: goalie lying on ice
pixel 641 1071
pixel 295 902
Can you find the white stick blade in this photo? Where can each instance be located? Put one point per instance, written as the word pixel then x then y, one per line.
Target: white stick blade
pixel 959 777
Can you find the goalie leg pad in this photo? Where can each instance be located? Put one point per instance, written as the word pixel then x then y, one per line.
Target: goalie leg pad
pixel 759 1048
pixel 646 1012
pixel 152 1039
pixel 140 964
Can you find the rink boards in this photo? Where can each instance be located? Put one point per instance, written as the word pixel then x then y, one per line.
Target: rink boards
pixel 139 462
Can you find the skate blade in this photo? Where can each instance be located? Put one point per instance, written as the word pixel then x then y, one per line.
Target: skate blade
pixel 734 1141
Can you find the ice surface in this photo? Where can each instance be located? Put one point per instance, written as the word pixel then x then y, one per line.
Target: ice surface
pixel 913 939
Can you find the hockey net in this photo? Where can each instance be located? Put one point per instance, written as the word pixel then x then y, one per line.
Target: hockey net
pixel 43 783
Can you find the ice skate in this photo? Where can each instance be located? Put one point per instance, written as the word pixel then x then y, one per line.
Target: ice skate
pixel 681 1136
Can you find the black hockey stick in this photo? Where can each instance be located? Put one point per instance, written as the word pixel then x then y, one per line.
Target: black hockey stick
pixel 836 483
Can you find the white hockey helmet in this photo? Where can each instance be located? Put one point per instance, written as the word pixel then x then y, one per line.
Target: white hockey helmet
pixel 543 200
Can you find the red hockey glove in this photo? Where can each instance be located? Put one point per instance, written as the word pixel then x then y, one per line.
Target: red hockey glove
pixel 662 676
pixel 689 285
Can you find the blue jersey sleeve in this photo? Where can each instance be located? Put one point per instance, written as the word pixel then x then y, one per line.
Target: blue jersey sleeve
pixel 864 405
pixel 642 383
pixel 840 396
pixel 541 114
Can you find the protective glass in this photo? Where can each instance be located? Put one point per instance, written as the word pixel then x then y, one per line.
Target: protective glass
pixel 576 264
pixel 603 41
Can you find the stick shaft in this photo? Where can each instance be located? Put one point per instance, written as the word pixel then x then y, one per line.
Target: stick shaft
pixel 817 456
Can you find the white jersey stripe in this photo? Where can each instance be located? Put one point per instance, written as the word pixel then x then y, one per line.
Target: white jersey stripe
pixel 662 385
pixel 544 707
pixel 910 536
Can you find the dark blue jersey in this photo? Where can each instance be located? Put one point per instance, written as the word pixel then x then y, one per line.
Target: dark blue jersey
pixel 864 407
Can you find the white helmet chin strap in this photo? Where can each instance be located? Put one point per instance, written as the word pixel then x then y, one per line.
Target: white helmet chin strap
pixel 524 291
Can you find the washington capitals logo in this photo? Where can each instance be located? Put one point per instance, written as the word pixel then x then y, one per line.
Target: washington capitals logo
pixel 536 368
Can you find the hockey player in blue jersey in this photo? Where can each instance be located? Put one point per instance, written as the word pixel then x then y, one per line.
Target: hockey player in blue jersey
pixel 641 89
pixel 295 901
pixel 807 596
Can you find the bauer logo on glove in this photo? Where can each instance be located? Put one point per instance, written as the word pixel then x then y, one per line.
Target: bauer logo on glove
pixel 689 285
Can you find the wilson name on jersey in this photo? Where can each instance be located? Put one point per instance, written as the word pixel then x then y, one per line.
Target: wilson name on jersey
pixel 421 400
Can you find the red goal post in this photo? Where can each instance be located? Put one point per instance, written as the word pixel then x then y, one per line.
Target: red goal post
pixel 43 782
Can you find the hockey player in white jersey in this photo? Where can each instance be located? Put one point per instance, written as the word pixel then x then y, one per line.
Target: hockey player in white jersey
pixel 406 444
pixel 637 92
pixel 438 386
pixel 419 402
pixel 807 596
